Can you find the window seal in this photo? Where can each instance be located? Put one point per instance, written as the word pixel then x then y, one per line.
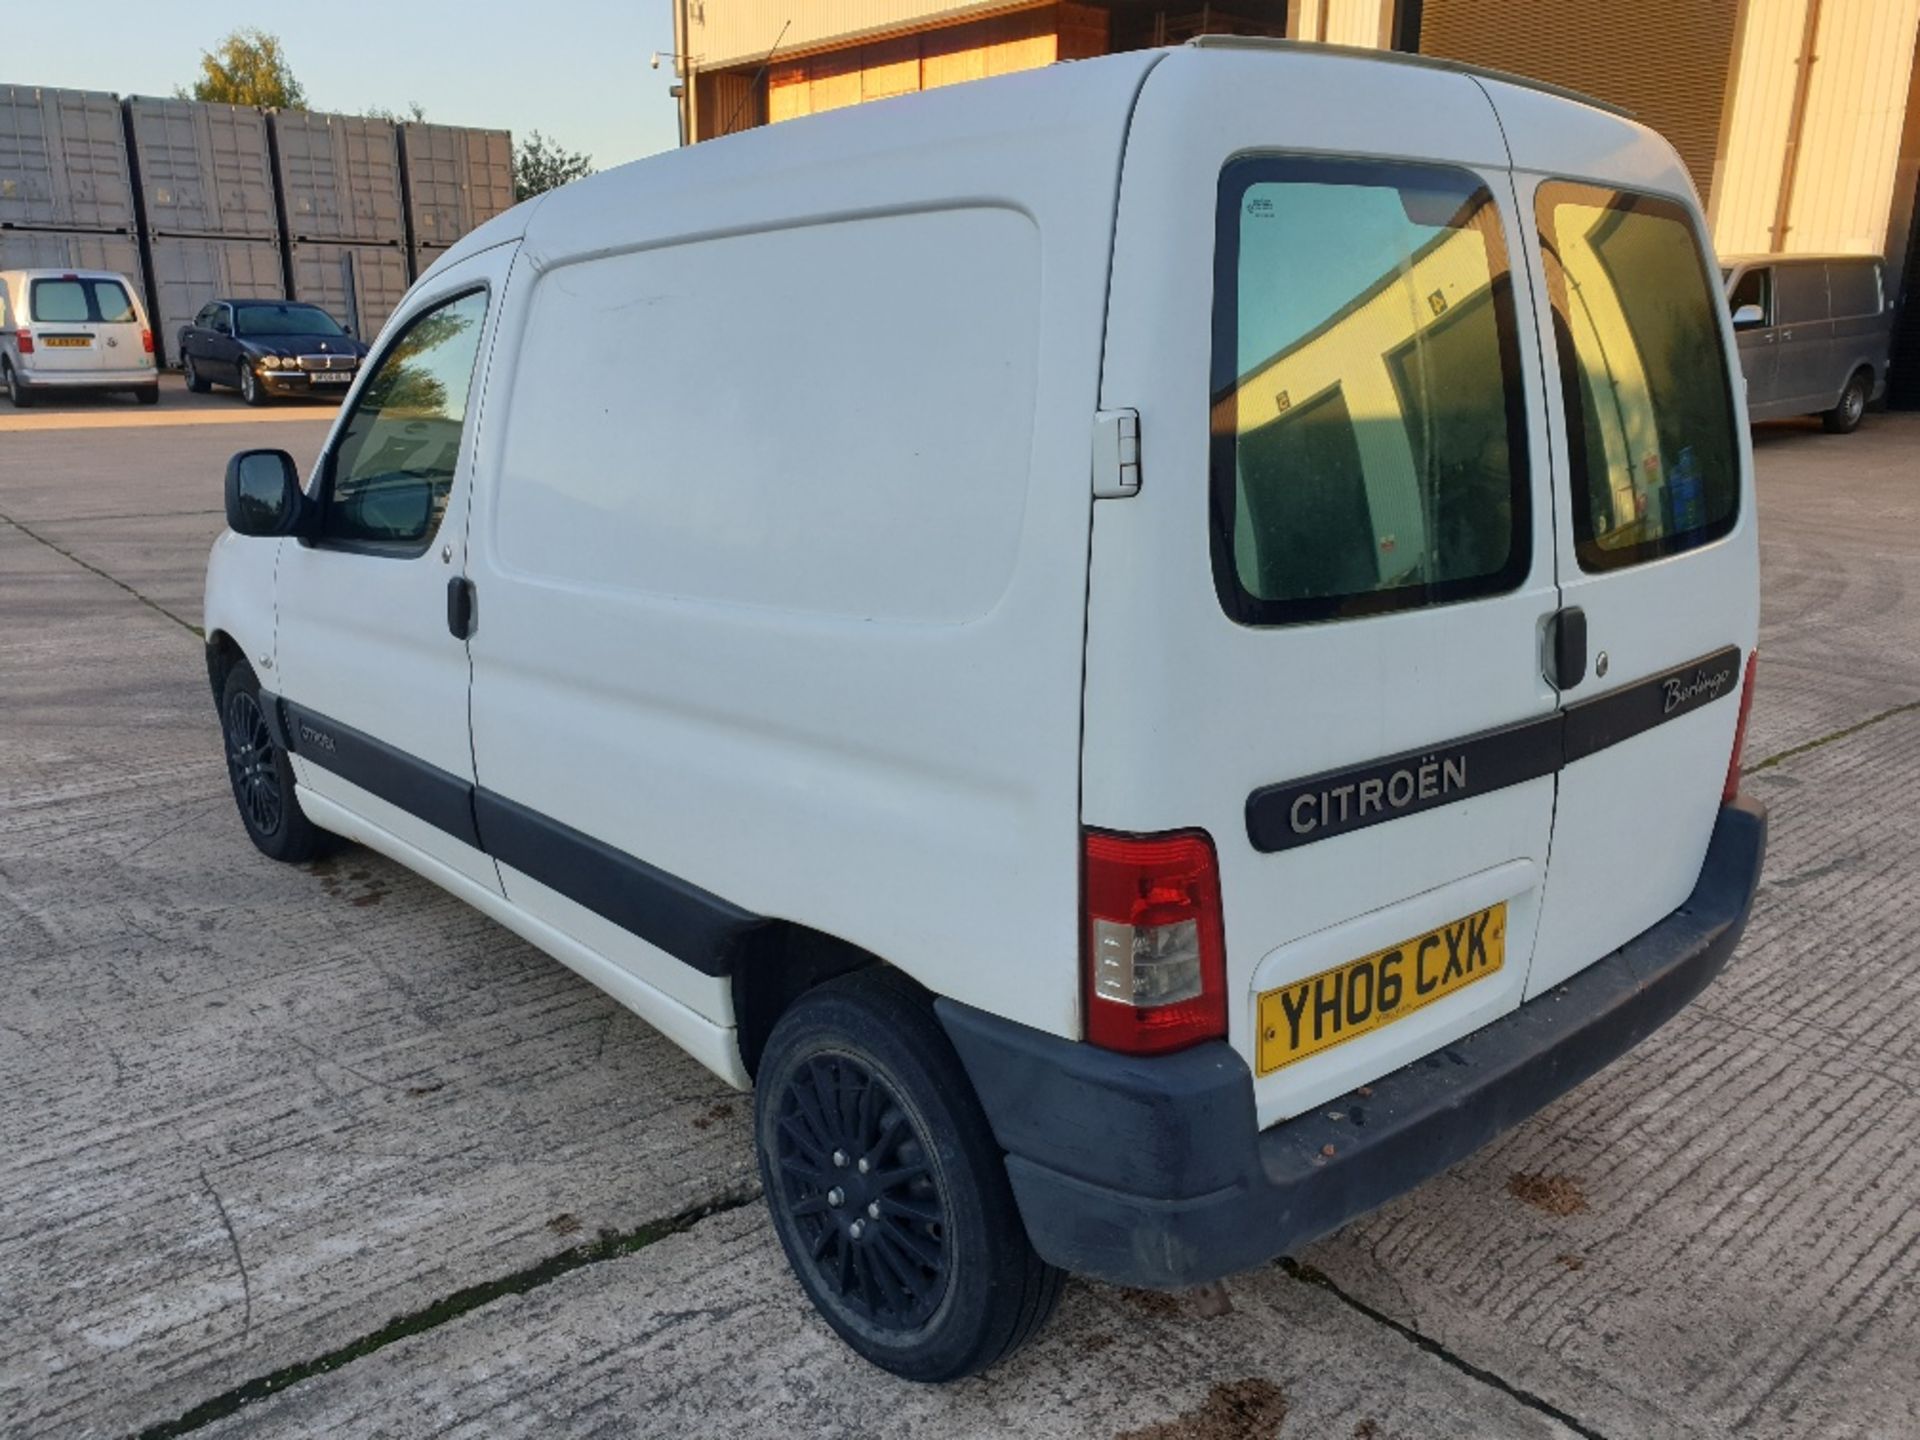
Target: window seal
pixel 1242 606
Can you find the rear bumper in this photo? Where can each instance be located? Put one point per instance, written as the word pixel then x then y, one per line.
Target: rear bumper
pixel 89 379
pixel 1153 1171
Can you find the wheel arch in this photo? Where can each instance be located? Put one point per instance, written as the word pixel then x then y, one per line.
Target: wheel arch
pixel 774 965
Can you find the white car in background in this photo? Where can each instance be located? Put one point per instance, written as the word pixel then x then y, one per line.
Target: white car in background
pixel 74 330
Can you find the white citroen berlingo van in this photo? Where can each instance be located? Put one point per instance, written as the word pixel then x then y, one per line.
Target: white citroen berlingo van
pixel 1152 651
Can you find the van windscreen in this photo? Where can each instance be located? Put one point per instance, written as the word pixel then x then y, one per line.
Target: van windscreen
pixel 1369 435
pixel 1652 450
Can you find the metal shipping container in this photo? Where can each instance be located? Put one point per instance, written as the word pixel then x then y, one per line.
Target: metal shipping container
pixel 202 169
pixel 424 256
pixel 189 271
pixel 456 179
pixel 359 285
pixel 339 177
pixel 63 160
pixel 72 250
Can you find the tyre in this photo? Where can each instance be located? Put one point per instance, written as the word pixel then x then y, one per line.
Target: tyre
pixel 886 1187
pixel 251 390
pixel 1844 417
pixel 18 394
pixel 196 382
pixel 147 394
pixel 262 776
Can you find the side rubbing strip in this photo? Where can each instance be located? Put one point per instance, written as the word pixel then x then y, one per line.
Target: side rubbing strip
pixel 1593 725
pixel 1337 802
pixel 687 922
pixel 424 791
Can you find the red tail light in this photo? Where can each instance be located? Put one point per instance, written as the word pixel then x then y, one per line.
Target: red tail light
pixel 146 341
pixel 25 338
pixel 1732 787
pixel 1155 955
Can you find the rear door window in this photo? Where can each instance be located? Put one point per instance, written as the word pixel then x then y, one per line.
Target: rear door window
pixel 81 302
pixel 1368 432
pixel 1652 449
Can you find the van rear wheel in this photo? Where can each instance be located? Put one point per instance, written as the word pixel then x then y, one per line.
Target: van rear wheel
pixel 16 392
pixel 1844 417
pixel 886 1187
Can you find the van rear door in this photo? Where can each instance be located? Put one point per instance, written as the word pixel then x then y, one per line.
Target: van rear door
pixel 83 323
pixel 1315 631
pixel 1656 546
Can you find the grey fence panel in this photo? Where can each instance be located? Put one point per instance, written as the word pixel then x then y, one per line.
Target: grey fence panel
pixel 359 285
pixel 191 270
pixel 339 177
pixel 456 179
pixel 202 169
pixel 63 160
pixel 72 250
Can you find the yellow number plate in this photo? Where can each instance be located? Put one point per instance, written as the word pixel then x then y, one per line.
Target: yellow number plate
pixel 1362 995
pixel 73 342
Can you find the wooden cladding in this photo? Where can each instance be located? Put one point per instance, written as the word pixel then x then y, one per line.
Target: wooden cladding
pixel 902 64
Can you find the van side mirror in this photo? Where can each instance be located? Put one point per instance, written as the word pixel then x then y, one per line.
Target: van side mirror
pixel 1749 317
pixel 264 495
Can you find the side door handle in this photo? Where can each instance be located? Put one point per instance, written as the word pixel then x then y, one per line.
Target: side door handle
pixel 460 607
pixel 1564 662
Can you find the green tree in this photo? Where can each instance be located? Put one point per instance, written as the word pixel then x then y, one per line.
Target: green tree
pixel 415 111
pixel 539 165
pixel 249 67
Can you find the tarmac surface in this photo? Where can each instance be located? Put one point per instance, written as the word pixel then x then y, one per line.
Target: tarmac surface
pixel 292 1151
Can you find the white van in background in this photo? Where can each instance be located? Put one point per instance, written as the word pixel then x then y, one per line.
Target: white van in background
pixel 1814 332
pixel 1152 651
pixel 66 330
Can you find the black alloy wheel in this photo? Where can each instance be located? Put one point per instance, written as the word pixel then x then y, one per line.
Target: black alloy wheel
pixel 855 1177
pixel 256 779
pixel 262 775
pixel 886 1187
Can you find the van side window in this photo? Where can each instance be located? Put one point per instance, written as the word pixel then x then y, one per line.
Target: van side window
pixel 1855 288
pixel 1755 288
pixel 1652 449
pixel 394 466
pixel 1802 295
pixel 1369 432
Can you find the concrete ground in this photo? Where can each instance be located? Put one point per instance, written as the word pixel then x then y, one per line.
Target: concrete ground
pixel 320 1150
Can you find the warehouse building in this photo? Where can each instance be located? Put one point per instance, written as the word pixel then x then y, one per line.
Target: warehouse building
pixel 1798 119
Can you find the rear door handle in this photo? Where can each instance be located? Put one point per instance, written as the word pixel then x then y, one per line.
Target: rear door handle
pixel 460 607
pixel 1565 660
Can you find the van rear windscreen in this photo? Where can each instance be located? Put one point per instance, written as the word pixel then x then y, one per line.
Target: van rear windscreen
pixel 1368 429
pixel 1652 450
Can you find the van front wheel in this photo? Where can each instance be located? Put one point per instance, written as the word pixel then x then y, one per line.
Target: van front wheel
pixel 1844 417
pixel 887 1190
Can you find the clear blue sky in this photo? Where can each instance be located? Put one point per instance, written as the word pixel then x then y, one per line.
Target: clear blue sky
pixel 576 70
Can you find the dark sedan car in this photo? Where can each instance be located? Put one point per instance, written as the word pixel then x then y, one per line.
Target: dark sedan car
pixel 265 348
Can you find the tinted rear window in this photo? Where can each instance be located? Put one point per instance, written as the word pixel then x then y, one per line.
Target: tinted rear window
pixel 1652 449
pixel 284 320
pixel 1369 435
pixel 81 302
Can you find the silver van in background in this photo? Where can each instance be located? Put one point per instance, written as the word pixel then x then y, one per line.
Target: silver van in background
pixel 1814 334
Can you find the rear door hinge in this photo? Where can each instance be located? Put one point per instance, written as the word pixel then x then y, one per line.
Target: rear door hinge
pixel 1116 454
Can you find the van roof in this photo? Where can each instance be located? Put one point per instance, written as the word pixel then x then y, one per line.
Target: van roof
pixel 773 173
pixel 1402 57
pixel 66 272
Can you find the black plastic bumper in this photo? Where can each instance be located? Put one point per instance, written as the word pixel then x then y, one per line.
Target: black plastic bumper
pixel 1154 1172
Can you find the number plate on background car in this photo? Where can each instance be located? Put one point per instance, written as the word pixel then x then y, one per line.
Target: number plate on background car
pixel 1362 995
pixel 329 378
pixel 66 342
